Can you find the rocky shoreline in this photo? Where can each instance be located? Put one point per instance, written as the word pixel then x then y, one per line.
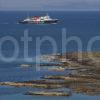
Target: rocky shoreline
pixel 84 77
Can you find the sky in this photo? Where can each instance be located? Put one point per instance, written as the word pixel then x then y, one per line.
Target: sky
pixel 50 5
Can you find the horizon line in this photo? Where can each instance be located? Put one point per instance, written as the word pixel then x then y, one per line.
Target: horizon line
pixel 58 10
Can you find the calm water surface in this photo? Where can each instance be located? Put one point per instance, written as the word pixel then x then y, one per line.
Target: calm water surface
pixel 84 25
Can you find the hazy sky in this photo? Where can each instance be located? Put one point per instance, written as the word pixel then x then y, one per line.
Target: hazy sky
pixel 49 4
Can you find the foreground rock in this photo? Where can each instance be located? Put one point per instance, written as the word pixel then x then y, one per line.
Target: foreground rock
pixel 25 65
pixel 72 78
pixel 49 93
pixel 28 84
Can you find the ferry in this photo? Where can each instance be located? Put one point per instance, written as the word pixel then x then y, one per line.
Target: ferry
pixel 39 20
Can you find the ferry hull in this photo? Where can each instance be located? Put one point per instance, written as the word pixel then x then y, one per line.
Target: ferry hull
pixel 39 22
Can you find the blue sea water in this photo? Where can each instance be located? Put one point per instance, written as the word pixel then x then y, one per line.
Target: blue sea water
pixel 84 25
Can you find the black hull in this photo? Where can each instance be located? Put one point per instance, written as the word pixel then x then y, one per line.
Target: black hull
pixel 22 22
pixel 51 22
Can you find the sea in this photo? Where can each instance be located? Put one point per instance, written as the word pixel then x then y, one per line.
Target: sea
pixel 80 28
